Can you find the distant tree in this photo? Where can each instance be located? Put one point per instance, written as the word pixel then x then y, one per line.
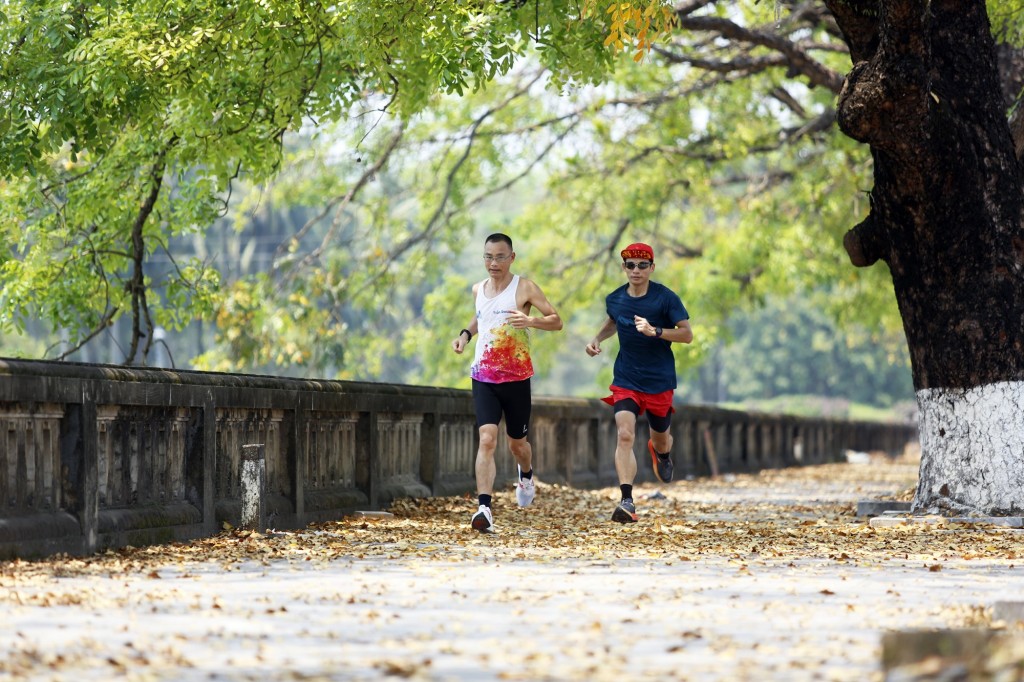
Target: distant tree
pixel 789 347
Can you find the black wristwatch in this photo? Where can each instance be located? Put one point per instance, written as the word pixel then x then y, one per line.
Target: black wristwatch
pixel 657 332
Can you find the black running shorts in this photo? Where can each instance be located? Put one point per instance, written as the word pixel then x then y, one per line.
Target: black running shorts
pixel 511 399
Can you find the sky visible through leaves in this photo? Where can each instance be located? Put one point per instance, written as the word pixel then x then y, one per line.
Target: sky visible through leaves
pixel 757 576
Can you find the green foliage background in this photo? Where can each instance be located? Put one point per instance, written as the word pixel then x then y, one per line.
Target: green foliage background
pixel 322 178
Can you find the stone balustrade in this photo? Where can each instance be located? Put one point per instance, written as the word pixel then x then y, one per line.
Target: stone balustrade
pixel 95 457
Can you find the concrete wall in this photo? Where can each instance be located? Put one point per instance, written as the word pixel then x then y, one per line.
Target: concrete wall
pixel 95 457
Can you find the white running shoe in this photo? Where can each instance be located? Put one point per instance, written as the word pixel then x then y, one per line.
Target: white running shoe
pixel 482 520
pixel 526 490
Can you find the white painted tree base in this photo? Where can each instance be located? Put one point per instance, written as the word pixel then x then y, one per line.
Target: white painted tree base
pixel 972 449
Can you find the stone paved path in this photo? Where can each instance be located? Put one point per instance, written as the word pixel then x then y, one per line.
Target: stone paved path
pixel 763 577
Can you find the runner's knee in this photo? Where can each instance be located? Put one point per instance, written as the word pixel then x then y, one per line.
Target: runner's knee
pixel 488 438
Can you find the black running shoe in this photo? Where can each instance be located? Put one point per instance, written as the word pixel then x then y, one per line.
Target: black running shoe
pixel 662 467
pixel 625 512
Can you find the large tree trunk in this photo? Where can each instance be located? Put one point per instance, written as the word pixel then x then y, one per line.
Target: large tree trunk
pixel 946 218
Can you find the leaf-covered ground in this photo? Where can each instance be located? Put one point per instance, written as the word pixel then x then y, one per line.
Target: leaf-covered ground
pixel 760 576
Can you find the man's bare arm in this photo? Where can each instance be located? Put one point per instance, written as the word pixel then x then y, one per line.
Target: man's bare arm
pixel 606 330
pixel 460 342
pixel 534 297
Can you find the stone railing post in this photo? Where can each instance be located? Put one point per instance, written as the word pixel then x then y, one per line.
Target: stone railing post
pixel 88 476
pixel 253 485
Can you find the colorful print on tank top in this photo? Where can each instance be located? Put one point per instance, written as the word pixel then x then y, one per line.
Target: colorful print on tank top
pixel 502 351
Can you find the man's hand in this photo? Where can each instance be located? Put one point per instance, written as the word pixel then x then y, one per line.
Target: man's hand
pixel 643 326
pixel 459 344
pixel 519 319
pixel 594 348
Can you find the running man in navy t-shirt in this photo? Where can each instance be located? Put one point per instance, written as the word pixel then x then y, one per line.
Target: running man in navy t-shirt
pixel 648 317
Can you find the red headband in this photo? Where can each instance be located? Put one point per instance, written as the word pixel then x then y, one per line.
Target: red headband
pixel 638 250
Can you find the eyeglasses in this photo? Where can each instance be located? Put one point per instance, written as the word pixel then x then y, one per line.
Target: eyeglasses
pixel 631 265
pixel 497 259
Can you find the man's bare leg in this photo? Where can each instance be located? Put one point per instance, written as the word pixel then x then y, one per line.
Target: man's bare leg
pixel 625 465
pixel 526 490
pixel 483 519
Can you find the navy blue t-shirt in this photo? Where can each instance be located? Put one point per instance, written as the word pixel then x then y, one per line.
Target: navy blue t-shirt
pixel 645 363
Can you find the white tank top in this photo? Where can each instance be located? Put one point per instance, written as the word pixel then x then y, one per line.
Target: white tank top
pixel 502 351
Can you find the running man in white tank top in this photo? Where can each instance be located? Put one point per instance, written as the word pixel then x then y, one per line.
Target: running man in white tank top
pixel 502 369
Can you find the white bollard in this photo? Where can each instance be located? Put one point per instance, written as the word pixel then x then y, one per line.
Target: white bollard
pixel 254 482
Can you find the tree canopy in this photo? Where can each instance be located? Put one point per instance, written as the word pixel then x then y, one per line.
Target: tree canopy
pixel 127 124
pixel 389 131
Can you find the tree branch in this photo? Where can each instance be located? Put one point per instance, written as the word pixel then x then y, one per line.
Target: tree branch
pixel 337 204
pixel 797 58
pixel 104 323
pixel 439 213
pixel 858 22
pixel 136 285
pixel 608 250
pixel 865 243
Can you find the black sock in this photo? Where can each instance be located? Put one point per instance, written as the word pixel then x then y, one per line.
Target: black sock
pixel 485 500
pixel 627 491
pixel 525 474
pixel 663 455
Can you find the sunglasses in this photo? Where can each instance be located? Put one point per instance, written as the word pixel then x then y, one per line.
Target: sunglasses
pixel 630 265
